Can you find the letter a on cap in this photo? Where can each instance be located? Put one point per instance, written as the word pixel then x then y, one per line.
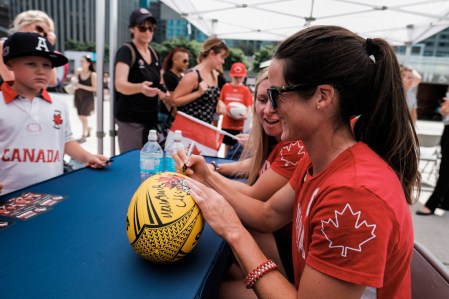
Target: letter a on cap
pixel 42 45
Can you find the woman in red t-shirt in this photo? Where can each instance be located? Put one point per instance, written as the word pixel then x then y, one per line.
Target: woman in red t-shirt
pixel 348 199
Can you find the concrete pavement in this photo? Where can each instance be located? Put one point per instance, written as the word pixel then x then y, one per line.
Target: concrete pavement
pixel 430 231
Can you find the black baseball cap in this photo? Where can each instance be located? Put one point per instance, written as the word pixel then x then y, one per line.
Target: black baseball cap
pixel 22 44
pixel 139 15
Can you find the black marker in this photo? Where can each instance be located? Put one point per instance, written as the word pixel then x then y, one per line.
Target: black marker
pixel 189 153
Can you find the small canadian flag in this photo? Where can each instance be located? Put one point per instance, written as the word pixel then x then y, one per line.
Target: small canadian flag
pixel 207 138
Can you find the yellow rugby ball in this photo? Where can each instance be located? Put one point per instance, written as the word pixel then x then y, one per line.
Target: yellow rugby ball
pixel 163 222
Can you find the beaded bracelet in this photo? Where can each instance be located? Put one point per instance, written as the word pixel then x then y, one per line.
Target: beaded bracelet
pixel 256 274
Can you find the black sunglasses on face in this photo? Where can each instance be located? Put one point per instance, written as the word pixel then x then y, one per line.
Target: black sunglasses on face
pixel 274 92
pixel 41 31
pixel 145 28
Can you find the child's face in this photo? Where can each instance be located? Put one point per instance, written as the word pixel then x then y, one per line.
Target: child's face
pixel 32 72
pixel 237 80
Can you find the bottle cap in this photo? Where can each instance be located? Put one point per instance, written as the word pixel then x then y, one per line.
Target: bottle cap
pixel 178 135
pixel 152 135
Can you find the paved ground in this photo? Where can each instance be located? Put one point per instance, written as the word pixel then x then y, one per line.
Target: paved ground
pixel 430 231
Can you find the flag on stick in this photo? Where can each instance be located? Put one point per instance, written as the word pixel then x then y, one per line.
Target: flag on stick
pixel 207 137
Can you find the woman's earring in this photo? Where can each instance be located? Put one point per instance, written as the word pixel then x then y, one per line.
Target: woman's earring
pixel 318 107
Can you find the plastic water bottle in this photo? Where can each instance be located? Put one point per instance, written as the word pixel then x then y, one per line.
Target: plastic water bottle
pixel 151 157
pixel 170 163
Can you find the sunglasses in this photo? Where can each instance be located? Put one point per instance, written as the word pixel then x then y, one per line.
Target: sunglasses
pixel 41 31
pixel 185 61
pixel 274 92
pixel 145 28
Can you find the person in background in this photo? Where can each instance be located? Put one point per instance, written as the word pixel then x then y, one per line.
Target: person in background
pixel 197 93
pixel 410 81
pixel 349 197
pixel 31 21
pixel 174 66
pixel 234 92
pixel 440 195
pixel 35 132
pixel 138 80
pixel 85 82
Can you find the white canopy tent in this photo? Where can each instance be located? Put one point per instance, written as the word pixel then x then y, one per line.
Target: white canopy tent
pixel 401 22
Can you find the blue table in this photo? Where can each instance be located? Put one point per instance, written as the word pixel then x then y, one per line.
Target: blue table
pixel 80 249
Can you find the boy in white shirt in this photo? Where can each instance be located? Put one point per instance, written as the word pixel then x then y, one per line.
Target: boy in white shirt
pixel 34 128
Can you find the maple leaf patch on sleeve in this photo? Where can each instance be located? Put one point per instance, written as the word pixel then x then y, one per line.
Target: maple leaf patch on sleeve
pixel 292 147
pixel 348 231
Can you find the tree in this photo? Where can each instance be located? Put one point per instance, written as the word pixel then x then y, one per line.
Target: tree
pixel 264 54
pixel 73 45
pixel 235 55
pixel 193 47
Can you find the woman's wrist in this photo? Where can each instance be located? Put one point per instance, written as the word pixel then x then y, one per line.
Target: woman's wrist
pixel 215 166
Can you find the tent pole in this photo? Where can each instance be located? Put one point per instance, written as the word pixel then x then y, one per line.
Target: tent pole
pixel 113 23
pixel 408 52
pixel 100 25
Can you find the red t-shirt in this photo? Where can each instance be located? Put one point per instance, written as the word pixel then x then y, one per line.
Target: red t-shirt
pixel 352 222
pixel 284 157
pixel 240 94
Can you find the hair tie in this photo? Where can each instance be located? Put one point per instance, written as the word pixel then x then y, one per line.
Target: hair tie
pixel 369 46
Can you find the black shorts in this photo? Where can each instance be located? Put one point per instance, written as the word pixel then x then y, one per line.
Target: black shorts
pixel 284 246
pixel 228 140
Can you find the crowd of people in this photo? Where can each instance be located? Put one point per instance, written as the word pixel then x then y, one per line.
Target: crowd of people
pixel 331 161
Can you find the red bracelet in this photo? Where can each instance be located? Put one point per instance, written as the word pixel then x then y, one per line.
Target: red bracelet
pixel 256 274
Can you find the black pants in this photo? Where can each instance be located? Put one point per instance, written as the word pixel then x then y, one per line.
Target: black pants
pixel 440 195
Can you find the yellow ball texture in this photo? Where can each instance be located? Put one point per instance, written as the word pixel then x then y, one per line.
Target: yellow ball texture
pixel 163 222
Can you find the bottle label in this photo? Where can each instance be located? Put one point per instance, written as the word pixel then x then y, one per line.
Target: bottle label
pixel 150 165
pixel 170 164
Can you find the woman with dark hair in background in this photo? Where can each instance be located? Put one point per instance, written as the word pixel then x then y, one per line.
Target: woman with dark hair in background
pixel 174 66
pixel 85 84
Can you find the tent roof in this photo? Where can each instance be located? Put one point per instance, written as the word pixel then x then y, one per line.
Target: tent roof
pixel 401 22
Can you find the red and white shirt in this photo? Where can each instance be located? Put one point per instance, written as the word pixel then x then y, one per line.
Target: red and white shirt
pixel 32 138
pixel 237 94
pixel 284 157
pixel 352 222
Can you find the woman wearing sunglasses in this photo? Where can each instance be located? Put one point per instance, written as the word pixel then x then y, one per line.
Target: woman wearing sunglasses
pixel 349 198
pixel 138 83
pixel 31 21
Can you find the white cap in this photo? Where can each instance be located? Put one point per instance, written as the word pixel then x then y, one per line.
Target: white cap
pixel 152 135
pixel 178 135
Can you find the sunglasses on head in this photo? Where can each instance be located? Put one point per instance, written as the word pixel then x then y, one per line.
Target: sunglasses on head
pixel 274 92
pixel 143 28
pixel 41 31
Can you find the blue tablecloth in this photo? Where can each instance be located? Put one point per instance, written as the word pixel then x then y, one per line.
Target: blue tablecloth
pixel 80 249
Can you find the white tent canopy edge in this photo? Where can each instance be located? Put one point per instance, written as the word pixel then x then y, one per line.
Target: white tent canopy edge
pixel 401 22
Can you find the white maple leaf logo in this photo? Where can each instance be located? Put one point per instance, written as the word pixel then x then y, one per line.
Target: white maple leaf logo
pixel 291 147
pixel 347 223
